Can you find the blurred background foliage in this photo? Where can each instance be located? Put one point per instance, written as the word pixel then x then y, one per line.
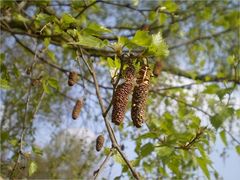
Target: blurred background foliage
pixel 193 101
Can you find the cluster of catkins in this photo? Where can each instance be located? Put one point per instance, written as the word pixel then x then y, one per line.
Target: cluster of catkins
pixel 139 97
pixel 72 80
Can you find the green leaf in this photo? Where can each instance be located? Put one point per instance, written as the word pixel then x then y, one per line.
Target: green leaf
pixel 110 62
pixel 223 137
pixel 4 84
pixel 16 71
pixel 106 151
pixel 203 165
pixel 142 38
pixel 20 17
pixel 53 83
pixel 32 168
pixel 2 57
pixel 90 41
pixel 148 135
pixel 67 19
pixel 158 47
pixel 4 136
pixel 118 158
pixel 216 121
pixel 164 151
pixel 98 28
pixel 211 89
pixel 122 40
pixel 45 86
pixel 13 142
pixel 51 55
pixel 171 6
pixel 46 42
pixel 37 150
pixel 237 113
pixel 147 149
pixel 238 149
pixel 162 18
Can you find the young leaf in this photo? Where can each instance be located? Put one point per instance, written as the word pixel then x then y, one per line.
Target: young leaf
pixel 147 149
pixel 51 55
pixel 90 41
pixel 53 83
pixel 211 89
pixel 67 19
pixel 37 150
pixel 223 137
pixel 238 149
pixel 216 121
pixel 203 165
pixel 158 47
pixel 118 158
pixel 164 151
pixel 142 38
pixel 32 168
pixel 4 84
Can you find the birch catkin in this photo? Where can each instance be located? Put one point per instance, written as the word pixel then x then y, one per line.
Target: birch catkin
pixel 120 97
pixel 77 108
pixel 99 142
pixel 72 78
pixel 139 97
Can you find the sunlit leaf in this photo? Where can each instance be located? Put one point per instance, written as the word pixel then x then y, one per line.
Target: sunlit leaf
pixel 32 168
pixel 147 149
pixel 142 38
pixel 223 137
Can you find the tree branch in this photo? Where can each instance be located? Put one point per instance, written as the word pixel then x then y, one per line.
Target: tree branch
pixel 97 172
pixel 107 124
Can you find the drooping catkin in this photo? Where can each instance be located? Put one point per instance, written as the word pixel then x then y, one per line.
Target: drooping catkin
pixel 120 97
pixel 72 78
pixel 99 142
pixel 157 68
pixel 77 108
pixel 139 97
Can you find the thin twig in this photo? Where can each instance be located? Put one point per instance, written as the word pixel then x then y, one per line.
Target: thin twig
pixel 233 138
pixel 97 172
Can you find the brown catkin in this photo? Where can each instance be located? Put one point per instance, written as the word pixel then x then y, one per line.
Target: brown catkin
pixel 77 108
pixel 120 97
pixel 99 142
pixel 72 78
pixel 157 68
pixel 139 97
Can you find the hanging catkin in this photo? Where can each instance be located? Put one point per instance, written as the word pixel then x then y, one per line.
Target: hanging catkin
pixel 139 97
pixel 99 142
pixel 77 108
pixel 72 78
pixel 120 97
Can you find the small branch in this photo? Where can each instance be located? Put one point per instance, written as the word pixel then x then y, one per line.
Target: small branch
pixel 85 8
pixel 107 124
pixel 199 38
pixel 97 172
pixel 233 138
pixel 127 162
pixel 183 102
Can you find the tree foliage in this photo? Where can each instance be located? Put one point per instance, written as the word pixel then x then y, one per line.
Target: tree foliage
pixel 194 100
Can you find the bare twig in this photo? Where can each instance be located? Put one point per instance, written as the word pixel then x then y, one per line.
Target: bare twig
pixel 97 172
pixel 85 8
pixel 24 127
pixel 233 138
